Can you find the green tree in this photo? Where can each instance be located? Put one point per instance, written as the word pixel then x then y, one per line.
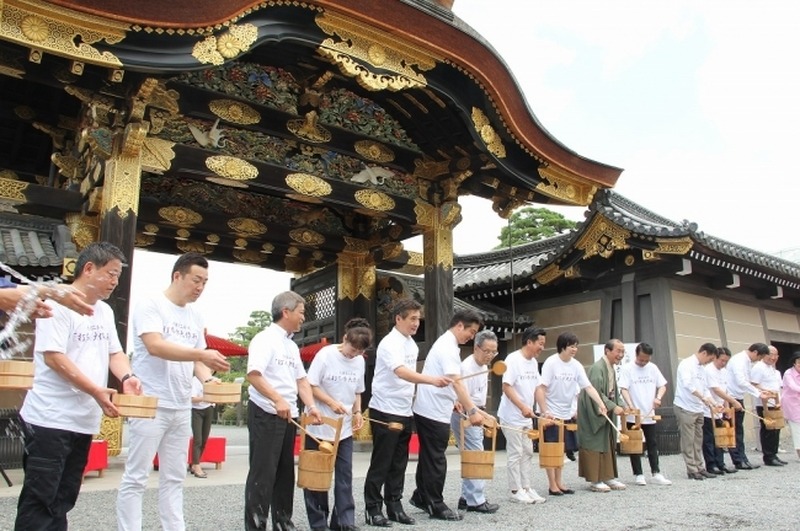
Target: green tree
pixel 531 224
pixel 259 320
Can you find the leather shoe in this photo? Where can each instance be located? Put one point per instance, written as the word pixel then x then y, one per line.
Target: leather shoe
pixel 781 461
pixel 744 466
pixel 715 471
pixel 485 507
pixel 378 520
pixel 752 466
pixel 773 462
pixel 695 475
pixel 567 491
pixel 555 492
pixel 445 513
pixel 728 470
pixel 706 474
pixel 400 517
pixel 462 504
pixel 419 504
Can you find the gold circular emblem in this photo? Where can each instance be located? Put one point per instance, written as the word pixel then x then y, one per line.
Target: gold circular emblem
pixel 247 227
pixel 377 54
pixel 307 184
pixel 306 237
pixel 180 216
pixel 374 151
pixel 231 168
pixel 234 112
pixel 374 200
pixel 34 28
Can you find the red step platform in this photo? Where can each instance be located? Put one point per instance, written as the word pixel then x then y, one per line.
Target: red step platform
pixel 98 458
pixel 214 452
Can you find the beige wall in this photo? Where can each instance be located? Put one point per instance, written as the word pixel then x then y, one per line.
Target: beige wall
pixel 582 319
pixel 785 322
pixel 742 324
pixel 695 322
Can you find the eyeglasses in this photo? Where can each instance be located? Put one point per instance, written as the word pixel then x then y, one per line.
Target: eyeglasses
pixel 487 351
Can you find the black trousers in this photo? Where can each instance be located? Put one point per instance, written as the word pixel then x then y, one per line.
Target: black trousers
pixel 770 439
pixel 270 481
pixel 387 466
pixel 53 463
pixel 738 455
pixel 432 465
pixel 713 456
pixel 651 444
pixel 201 428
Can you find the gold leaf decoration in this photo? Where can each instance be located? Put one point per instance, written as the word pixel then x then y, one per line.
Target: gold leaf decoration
pixel 307 237
pixel 215 49
pixel 487 133
pixel 307 184
pixel 231 168
pixel 374 151
pixel 247 227
pixel 249 256
pixel 180 216
pixel 235 112
pixel 308 129
pixel 375 200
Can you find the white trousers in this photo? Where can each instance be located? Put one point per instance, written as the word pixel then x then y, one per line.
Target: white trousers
pixel 168 435
pixel 519 453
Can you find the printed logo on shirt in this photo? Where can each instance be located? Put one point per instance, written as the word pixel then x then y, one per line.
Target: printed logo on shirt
pixel 183 331
pixel 95 332
pixel 342 376
pixel 282 360
pixel 642 380
pixel 565 377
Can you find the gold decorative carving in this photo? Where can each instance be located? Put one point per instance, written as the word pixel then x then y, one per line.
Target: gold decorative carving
pixel 247 227
pixel 374 151
pixel 488 134
pixel 359 46
pixel 157 155
pixel 60 31
pixel 430 169
pixel 249 256
pixel 67 164
pixel 150 229
pixel 415 259
pixel 602 237
pixel 548 274
pixel 235 112
pixel 267 248
pixel 182 235
pixel 13 190
pixel 355 276
pixel 84 229
pixel 240 243
pixel 674 246
pixel 215 49
pixel 375 200
pixel 437 236
pixel 111 432
pixel 630 260
pixel 391 250
pixel 565 186
pixel 231 168
pixel 572 272
pixel 355 245
pixel 307 184
pixel 187 246
pixel 505 206
pixel 307 237
pixel 144 240
pixel 180 216
pixel 138 103
pixel 308 129
pixel 450 186
pixel 8 174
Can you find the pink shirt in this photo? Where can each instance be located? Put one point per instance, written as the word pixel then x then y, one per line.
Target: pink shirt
pixel 790 397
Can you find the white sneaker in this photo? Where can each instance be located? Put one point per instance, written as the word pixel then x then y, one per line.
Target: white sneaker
pixel 659 479
pixel 639 480
pixel 521 497
pixel 534 496
pixel 615 484
pixel 599 487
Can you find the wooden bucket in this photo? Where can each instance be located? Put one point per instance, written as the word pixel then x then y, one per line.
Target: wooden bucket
pixel 136 406
pixel 222 393
pixel 724 435
pixel 16 374
pixel 775 414
pixel 551 454
pixel 315 468
pixel 635 443
pixel 477 464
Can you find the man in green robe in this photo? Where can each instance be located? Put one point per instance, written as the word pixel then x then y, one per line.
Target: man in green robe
pixel 597 462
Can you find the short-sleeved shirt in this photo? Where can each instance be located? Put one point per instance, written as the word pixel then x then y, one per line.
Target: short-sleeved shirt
pixel 739 382
pixel 87 341
pixel 715 378
pixel 170 381
pixel 563 379
pixel 390 393
pixel 273 353
pixel 341 378
pixel 523 376
pixel 642 384
pixel 767 377
pixel 691 377
pixel 436 403
pixel 477 386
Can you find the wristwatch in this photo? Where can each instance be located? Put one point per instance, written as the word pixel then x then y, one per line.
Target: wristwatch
pixel 472 411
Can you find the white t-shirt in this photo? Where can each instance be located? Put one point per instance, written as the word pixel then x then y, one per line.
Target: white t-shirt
pixel 197 390
pixel 477 386
pixel 87 341
pixel 342 378
pixel 739 368
pixel 768 377
pixel 642 384
pixel 273 353
pixel 691 377
pixel 170 381
pixel 523 376
pixel 715 378
pixel 444 358
pixel 390 393
pixel 563 381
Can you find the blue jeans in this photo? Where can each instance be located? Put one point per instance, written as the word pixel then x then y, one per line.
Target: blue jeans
pixel 53 462
pixel 472 490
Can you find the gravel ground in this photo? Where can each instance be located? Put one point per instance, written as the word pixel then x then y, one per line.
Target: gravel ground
pixel 760 499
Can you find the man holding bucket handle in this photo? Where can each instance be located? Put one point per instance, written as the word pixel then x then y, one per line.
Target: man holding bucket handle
pixel 522 385
pixel 433 408
pixel 643 387
pixel 337 379
pixel 739 383
pixel 392 397
pixel 277 377
pixel 473 497
pixel 168 347
pixel 717 383
pixel 562 377
pixel 597 462
pixel 766 378
pixel 72 356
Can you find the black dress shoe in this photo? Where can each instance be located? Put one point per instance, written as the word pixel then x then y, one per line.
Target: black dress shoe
pixel 773 462
pixel 728 470
pixel 400 517
pixel 781 461
pixel 570 455
pixel 567 491
pixel 706 474
pixel 378 520
pixel 752 466
pixel 485 507
pixel 555 492
pixel 445 513
pixel 695 475
pixel 462 504
pixel 715 471
pixel 417 502
pixel 743 466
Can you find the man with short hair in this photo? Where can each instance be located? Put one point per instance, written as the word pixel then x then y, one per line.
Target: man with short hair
pixel 277 377
pixel 739 383
pixel 72 357
pixel 433 408
pixel 169 346
pixel 717 383
pixel 691 399
pixel 643 387
pixel 597 461
pixel 767 379
pixel 473 496
pixel 392 396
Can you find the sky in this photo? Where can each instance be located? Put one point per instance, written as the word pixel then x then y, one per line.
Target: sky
pixel 698 102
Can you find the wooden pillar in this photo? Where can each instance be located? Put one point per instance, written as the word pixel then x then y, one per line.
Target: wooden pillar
pixel 437 237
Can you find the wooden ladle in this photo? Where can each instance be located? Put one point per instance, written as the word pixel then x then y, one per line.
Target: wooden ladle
pixel 393 426
pixel 498 369
pixel 622 437
pixel 324 446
